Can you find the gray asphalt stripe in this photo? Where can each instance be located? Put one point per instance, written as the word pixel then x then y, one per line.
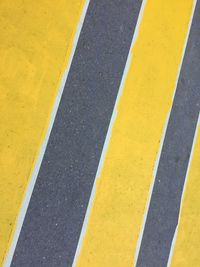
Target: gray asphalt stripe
pixel 56 212
pixel 164 207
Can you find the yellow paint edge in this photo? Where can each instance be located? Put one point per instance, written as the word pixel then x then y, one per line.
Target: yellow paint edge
pixel 14 235
pixel 108 136
pixel 197 133
pixel 180 48
pixel 162 141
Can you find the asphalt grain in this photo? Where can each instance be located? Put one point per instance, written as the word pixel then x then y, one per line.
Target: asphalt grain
pixel 162 217
pixel 54 218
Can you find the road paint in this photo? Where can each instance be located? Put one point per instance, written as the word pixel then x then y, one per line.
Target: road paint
pixel 185 248
pixel 37 41
pixel 107 139
pixel 59 201
pixel 127 173
pixel 161 145
pixel 162 218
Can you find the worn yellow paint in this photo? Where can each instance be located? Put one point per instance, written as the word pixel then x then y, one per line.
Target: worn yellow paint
pixel 36 42
pixel 122 188
pixel 187 250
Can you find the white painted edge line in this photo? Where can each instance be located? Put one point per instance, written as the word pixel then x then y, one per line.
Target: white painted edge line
pixel 30 187
pixel 151 190
pixel 108 136
pixel 162 142
pixel 183 193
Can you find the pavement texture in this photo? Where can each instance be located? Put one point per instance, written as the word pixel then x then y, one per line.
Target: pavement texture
pixel 164 209
pixel 58 205
pixel 103 196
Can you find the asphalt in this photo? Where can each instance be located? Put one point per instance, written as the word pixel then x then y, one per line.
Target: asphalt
pixel 54 218
pixel 162 218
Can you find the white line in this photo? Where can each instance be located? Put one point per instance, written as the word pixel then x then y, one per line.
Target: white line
pixel 184 188
pixel 108 136
pixel 150 191
pixel 161 143
pixel 34 175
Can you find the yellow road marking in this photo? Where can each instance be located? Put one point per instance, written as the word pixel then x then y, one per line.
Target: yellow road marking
pixel 36 43
pixel 187 250
pixel 122 189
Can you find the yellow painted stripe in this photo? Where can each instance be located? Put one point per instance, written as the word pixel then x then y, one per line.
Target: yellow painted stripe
pixel 122 189
pixel 36 43
pixel 187 250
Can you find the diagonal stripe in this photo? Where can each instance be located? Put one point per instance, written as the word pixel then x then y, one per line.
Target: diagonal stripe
pixel 36 44
pixel 121 189
pixel 163 213
pixel 185 251
pixel 54 219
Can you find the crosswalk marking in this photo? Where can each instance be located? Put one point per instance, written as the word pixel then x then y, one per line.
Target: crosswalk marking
pixel 56 211
pixel 186 244
pixel 122 188
pixel 162 217
pixel 36 44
